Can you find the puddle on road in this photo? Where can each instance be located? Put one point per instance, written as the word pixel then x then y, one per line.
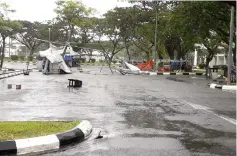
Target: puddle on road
pixel 194 137
pixel 175 79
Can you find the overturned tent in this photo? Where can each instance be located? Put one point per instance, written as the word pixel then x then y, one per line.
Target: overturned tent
pixel 127 68
pixel 54 63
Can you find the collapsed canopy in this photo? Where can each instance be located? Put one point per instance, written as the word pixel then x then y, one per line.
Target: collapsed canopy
pixel 53 54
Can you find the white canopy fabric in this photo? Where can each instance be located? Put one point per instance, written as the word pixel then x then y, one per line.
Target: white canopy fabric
pixel 52 54
pixel 70 52
pixel 132 67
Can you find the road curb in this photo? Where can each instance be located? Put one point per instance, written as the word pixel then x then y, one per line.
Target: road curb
pixel 46 143
pixel 223 87
pixel 160 73
pixel 179 73
pixel 10 74
pixel 173 73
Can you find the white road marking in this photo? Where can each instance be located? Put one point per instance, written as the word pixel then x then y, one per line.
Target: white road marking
pixel 207 109
pixel 195 106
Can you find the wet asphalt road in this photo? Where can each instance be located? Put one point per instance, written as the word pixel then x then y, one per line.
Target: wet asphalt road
pixel 137 115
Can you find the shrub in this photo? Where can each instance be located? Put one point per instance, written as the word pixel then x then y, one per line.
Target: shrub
pixel 14 57
pixel 188 68
pixel 30 58
pixel 114 61
pixel 92 60
pixel 82 60
pixel 38 57
pixel 22 58
pixel 201 66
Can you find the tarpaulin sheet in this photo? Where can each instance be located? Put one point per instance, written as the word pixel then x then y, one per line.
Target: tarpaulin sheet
pixel 148 66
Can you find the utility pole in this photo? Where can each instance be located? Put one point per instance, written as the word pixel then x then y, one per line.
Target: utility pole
pixel 155 52
pixel 230 59
pixel 49 37
pixel 9 47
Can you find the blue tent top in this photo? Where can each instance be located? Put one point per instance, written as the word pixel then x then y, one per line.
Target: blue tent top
pixel 68 58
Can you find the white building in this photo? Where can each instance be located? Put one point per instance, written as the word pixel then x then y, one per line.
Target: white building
pixel 97 55
pixel 14 47
pixel 218 59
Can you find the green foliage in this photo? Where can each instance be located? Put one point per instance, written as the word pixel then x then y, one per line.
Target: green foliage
pixel 107 27
pixel 14 57
pixel 92 60
pixel 205 23
pixel 38 57
pixel 114 61
pixel 22 58
pixel 29 33
pixel 7 28
pixel 71 13
pixel 30 58
pixel 130 30
pixel 202 65
pixel 82 60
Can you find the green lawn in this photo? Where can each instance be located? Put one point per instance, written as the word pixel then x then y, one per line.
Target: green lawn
pixel 17 130
pixel 199 71
pixel 19 60
pixel 99 64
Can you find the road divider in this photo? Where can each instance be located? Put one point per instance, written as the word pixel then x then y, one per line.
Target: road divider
pixel 10 74
pixel 46 143
pixel 223 87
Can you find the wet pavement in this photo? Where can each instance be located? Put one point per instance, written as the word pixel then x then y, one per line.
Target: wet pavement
pixel 137 115
pixel 18 65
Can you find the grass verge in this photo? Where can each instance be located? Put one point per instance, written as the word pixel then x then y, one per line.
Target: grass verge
pixel 199 71
pixel 25 129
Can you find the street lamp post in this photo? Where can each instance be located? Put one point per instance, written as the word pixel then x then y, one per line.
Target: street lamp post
pixel 155 55
pixel 49 37
pixel 9 47
pixel 230 45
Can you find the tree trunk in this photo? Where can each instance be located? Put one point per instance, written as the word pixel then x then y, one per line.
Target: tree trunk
pixel 3 51
pixel 208 60
pixel 110 59
pixel 234 55
pixel 129 57
pixel 207 66
pixel 147 56
pixel 90 55
pixel 28 59
pixel 65 50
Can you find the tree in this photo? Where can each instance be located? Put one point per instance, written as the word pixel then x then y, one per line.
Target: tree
pixel 86 34
pixel 30 34
pixel 110 39
pixel 70 13
pixel 125 25
pixel 144 26
pixel 144 22
pixel 7 28
pixel 196 22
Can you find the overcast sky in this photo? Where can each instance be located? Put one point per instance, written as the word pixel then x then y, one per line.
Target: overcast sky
pixel 41 10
